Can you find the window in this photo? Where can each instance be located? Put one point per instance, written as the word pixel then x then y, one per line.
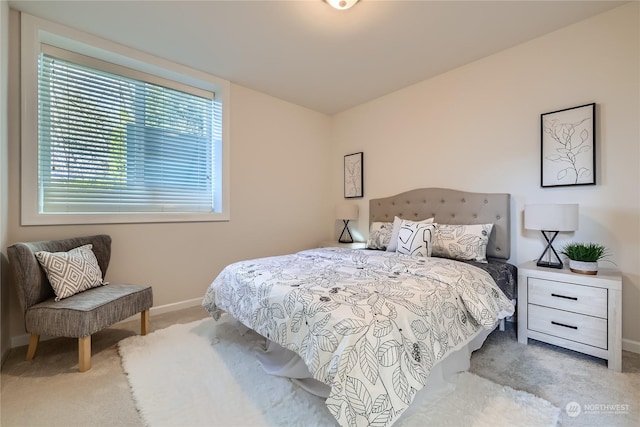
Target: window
pixel 116 143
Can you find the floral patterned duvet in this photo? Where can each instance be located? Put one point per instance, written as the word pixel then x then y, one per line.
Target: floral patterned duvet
pixel 370 324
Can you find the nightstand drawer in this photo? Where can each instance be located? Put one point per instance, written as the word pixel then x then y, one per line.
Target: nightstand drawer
pixel 567 296
pixel 575 327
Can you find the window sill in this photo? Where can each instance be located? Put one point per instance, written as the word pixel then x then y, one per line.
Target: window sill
pixel 124 218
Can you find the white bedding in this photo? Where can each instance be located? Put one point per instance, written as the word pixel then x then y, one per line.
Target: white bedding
pixel 369 324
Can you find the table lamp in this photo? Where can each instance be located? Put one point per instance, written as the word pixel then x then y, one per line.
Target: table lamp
pixel 346 212
pixel 550 219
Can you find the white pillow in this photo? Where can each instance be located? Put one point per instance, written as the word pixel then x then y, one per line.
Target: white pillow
pixel 393 242
pixel 414 238
pixel 379 235
pixel 462 242
pixel 71 272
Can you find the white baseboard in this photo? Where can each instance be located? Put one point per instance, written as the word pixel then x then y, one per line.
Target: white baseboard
pixel 21 340
pixel 174 306
pixel 630 345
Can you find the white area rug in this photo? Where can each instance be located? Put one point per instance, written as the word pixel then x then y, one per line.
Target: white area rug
pixel 205 374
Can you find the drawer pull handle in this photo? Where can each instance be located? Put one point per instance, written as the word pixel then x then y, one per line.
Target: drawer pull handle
pixel 564 296
pixel 562 324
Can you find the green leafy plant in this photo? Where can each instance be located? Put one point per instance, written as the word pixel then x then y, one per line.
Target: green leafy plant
pixel 586 252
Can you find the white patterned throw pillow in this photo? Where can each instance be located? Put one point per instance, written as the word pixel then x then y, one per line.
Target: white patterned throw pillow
pixel 462 242
pixel 393 242
pixel 71 272
pixel 414 238
pixel 379 235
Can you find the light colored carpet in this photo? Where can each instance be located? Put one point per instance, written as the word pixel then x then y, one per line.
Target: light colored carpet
pixel 203 373
pixel 49 391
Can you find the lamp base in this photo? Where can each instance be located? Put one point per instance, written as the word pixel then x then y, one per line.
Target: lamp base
pixel 548 264
pixel 346 228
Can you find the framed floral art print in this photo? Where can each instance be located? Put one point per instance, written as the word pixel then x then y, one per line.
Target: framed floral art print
pixel 569 147
pixel 353 170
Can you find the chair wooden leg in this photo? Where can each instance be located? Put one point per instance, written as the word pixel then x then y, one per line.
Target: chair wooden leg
pixel 84 353
pixel 144 322
pixel 33 345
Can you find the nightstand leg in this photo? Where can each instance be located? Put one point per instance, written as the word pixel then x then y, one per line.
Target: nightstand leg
pixel 615 330
pixel 522 310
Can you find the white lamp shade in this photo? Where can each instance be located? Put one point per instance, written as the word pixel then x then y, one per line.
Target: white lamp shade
pixel 347 211
pixel 341 4
pixel 551 217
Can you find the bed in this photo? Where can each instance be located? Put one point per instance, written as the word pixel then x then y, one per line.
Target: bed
pixel 373 330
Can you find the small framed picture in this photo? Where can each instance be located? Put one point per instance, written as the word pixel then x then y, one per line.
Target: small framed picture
pixel 568 147
pixel 353 170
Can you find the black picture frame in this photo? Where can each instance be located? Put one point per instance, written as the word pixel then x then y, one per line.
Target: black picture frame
pixel 568 147
pixel 353 173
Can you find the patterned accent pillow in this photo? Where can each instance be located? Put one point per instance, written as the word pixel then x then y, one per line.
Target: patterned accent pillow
pixel 71 272
pixel 414 238
pixel 393 242
pixel 462 242
pixel 379 235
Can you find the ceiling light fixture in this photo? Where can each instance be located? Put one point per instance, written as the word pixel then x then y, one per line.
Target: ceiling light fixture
pixel 341 4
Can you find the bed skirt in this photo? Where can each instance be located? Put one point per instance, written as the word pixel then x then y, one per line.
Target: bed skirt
pixel 277 360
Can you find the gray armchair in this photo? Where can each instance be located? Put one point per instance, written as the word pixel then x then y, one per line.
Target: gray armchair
pixel 80 315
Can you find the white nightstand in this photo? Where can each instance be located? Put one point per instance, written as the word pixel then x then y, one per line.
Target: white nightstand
pixel 575 311
pixel 336 244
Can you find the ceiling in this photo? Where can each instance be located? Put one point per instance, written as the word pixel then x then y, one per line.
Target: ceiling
pixel 305 52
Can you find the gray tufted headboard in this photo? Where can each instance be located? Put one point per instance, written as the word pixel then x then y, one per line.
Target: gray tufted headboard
pixel 451 207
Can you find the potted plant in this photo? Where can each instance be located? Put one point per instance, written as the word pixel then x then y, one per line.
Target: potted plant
pixel 584 257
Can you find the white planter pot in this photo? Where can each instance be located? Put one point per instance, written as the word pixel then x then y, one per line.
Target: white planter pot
pixel 583 267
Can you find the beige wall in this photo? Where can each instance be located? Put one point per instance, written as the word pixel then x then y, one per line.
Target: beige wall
pixel 477 128
pixel 4 284
pixel 279 198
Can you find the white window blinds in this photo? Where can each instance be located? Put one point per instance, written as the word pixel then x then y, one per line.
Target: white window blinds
pixel 112 139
